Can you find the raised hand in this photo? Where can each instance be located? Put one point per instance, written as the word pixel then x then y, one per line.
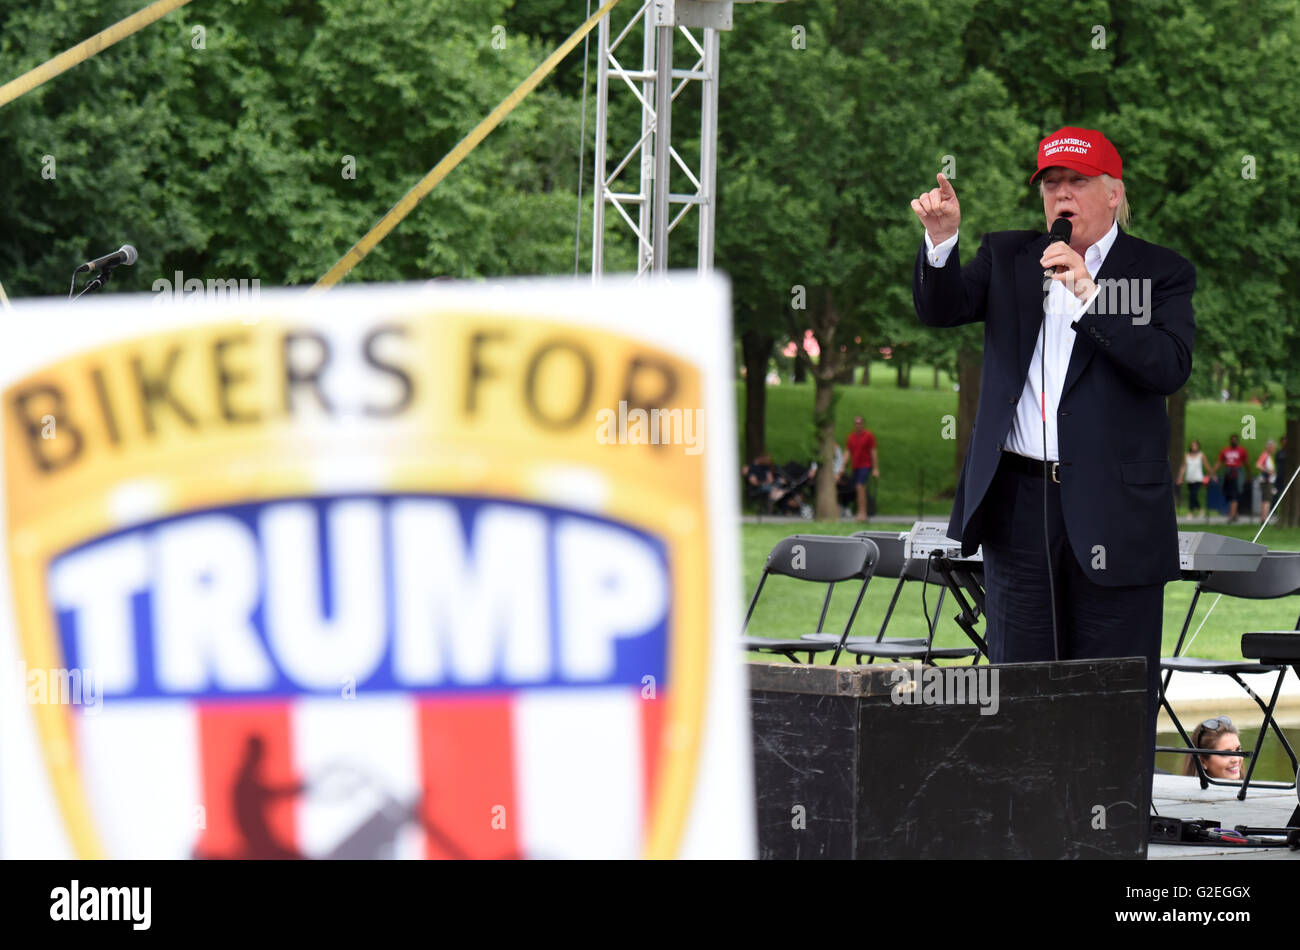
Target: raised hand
pixel 939 210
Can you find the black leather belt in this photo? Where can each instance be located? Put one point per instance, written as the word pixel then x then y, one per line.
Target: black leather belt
pixel 1027 466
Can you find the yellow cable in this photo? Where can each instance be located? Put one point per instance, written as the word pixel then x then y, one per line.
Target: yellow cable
pixel 454 157
pixel 84 50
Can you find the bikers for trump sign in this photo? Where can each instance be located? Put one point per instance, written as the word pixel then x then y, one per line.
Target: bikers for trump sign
pixel 443 571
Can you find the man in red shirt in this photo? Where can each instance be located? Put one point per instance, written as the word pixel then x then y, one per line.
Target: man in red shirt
pixel 1233 458
pixel 861 449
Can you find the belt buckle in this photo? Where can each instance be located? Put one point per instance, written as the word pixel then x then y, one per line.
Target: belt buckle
pixel 1056 469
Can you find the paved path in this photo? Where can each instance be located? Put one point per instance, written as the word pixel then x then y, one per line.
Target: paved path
pixel 1178 796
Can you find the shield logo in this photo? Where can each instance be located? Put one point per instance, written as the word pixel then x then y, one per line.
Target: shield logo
pixel 317 604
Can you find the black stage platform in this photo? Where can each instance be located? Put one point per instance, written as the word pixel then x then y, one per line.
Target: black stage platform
pixel 1036 760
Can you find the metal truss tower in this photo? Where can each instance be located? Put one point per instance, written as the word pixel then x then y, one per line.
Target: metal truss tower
pixel 637 187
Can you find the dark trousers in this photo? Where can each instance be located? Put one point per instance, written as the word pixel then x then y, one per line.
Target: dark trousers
pixel 1194 496
pixel 1092 621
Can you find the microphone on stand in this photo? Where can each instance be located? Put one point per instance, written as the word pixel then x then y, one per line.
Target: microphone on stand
pixel 102 268
pixel 123 255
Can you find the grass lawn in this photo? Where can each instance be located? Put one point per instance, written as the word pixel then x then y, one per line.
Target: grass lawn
pixel 918 465
pixel 918 468
pixel 790 608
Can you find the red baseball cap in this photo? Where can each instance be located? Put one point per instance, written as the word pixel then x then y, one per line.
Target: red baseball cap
pixel 1086 151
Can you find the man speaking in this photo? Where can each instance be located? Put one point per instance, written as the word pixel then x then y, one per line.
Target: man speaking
pixel 1066 482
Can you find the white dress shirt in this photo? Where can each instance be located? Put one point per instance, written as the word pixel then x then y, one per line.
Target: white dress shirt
pixel 1026 434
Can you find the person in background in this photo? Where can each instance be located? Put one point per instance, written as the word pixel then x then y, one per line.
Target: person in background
pixel 1194 466
pixel 844 490
pixel 1267 469
pixel 1221 735
pixel 1233 459
pixel 861 448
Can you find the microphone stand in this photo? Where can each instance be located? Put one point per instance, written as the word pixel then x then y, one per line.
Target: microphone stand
pixel 95 283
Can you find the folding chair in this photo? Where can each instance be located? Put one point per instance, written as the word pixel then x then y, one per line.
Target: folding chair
pixel 899 649
pixel 892 564
pixel 823 559
pixel 1278 649
pixel 1278 575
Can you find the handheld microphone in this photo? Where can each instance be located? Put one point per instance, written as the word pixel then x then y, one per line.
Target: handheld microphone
pixel 1061 231
pixel 123 255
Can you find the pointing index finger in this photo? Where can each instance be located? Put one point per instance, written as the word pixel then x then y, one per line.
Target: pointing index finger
pixel 945 186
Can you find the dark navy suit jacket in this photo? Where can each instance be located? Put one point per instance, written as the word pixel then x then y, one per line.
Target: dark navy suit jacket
pixel 1113 430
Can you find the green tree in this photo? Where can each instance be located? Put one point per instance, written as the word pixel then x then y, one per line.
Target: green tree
pixel 261 140
pixel 1187 94
pixel 824 146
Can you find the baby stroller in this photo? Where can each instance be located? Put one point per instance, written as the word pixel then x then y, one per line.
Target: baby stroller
pixel 778 490
pixel 796 479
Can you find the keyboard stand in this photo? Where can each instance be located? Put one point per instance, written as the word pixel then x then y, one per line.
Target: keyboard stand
pixel 959 576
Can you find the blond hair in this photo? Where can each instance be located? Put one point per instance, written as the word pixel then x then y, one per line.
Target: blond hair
pixel 1121 210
